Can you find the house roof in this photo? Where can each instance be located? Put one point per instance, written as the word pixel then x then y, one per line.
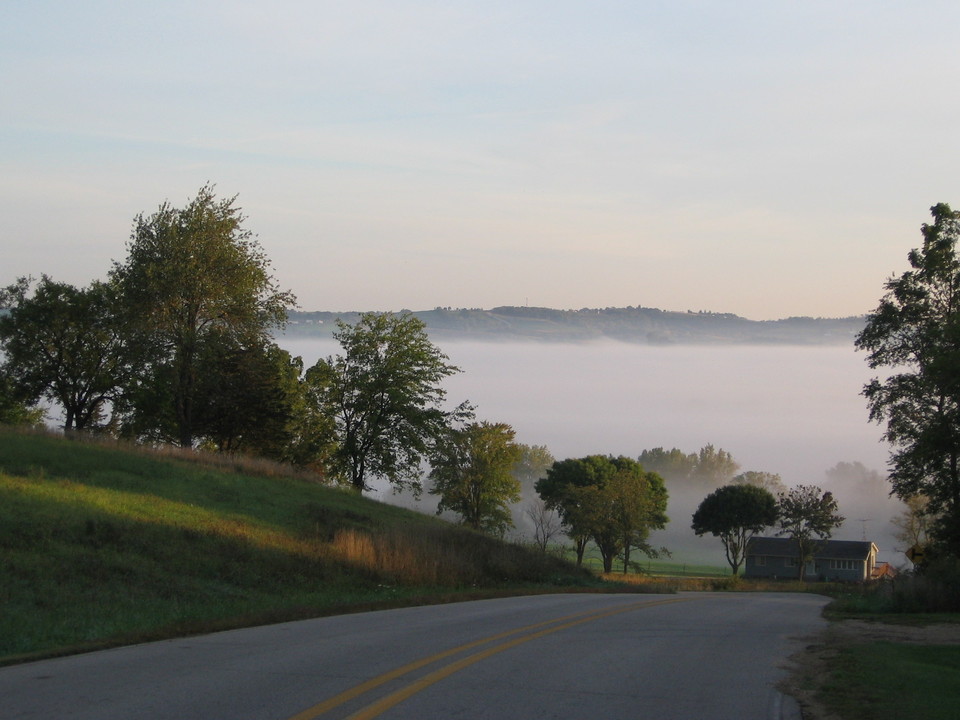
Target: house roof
pixel 829 550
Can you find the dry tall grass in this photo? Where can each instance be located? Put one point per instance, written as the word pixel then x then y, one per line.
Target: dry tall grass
pixel 448 557
pixel 228 462
pixel 405 557
pixel 728 583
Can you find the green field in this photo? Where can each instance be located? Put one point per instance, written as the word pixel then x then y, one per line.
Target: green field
pixel 643 565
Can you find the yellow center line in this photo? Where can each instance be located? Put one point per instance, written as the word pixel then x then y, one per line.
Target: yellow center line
pixel 384 704
pixel 348 695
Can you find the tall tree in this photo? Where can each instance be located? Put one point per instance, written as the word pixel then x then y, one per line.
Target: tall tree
pixel 472 472
pixel 915 332
pixel 636 503
pixel 192 276
pixel 735 513
pixel 64 344
pixel 807 515
pixel 385 396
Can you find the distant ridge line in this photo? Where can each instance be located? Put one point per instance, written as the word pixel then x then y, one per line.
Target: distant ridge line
pixel 640 325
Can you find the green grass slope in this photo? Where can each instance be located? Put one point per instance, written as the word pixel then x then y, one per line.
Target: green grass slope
pixel 104 545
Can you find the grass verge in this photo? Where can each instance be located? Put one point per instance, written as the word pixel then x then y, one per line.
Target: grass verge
pixel 880 657
pixel 891 681
pixel 106 545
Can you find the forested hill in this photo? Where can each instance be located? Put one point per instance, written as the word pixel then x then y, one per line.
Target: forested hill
pixel 629 324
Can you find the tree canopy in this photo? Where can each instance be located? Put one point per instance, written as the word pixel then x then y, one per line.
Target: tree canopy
pixel 611 500
pixel 385 397
pixel 64 344
pixel 735 513
pixel 472 472
pixel 709 466
pixel 772 482
pixel 915 333
pixel 807 515
pixel 193 276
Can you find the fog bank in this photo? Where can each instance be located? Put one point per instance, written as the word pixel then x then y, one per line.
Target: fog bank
pixel 794 411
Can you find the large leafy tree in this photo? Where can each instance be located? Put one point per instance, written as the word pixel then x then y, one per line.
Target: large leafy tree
pixel 807 515
pixel 472 472
pixel 631 503
pixel 63 344
pixel 385 396
pixel 193 276
pixel 735 513
pixel 563 490
pixel 610 500
pixel 915 333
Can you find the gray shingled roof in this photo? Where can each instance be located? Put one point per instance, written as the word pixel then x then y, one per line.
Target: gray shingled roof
pixel 831 550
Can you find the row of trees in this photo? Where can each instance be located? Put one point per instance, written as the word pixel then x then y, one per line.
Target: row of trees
pixel 736 513
pixel 176 346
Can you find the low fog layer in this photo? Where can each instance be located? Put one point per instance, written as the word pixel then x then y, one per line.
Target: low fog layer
pixel 793 411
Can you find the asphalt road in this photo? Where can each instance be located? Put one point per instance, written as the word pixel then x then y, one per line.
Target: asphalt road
pixel 702 656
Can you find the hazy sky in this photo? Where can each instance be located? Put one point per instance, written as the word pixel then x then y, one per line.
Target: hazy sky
pixel 759 157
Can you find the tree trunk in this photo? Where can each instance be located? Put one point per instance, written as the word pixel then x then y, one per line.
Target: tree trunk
pixel 581 548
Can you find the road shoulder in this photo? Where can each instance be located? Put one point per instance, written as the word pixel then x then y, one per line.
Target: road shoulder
pixel 809 667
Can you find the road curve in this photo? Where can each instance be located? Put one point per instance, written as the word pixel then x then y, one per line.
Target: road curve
pixel 702 656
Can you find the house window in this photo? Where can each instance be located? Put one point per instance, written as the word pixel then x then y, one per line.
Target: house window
pixel 844 564
pixel 761 560
pixel 792 562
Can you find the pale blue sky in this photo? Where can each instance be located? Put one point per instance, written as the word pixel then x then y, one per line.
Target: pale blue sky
pixel 758 157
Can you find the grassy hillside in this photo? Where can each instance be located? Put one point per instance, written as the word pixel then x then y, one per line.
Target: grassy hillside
pixel 106 544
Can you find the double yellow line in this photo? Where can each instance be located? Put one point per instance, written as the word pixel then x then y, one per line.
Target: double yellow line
pixel 526 634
